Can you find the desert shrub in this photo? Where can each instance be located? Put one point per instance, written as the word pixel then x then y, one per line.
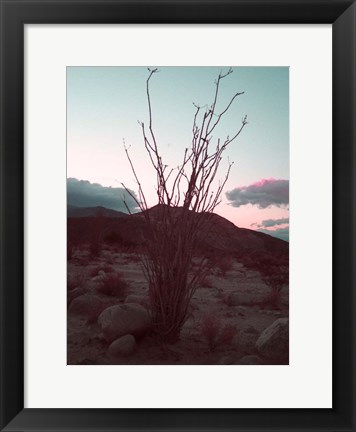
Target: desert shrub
pixel 189 189
pixel 213 332
pixel 133 258
pixel 95 246
pixel 273 298
pixel 109 258
pixel 275 282
pixel 226 298
pixel 101 267
pixel 128 245
pixel 113 284
pixel 210 327
pixel 113 238
pixel 227 335
pixel 224 264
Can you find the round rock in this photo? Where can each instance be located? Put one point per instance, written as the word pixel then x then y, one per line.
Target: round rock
pixel 273 343
pixel 86 305
pixel 250 360
pixel 124 319
pixel 123 346
pixel 139 299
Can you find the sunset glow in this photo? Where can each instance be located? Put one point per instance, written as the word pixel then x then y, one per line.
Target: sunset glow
pixel 105 103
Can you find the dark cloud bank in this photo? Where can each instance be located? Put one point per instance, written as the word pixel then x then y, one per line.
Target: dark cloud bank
pixel 263 194
pixel 82 193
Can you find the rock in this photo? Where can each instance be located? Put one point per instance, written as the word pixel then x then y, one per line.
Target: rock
pixel 123 346
pixel 244 299
pixel 247 341
pixel 91 284
pixel 139 299
pixel 87 305
pixel 250 360
pixel 228 360
pixel 123 319
pixel 101 273
pixel 76 292
pixel 273 343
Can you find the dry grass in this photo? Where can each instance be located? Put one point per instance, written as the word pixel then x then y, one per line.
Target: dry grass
pixel 113 284
pixel 224 265
pixel 273 298
pixel 226 299
pixel 214 333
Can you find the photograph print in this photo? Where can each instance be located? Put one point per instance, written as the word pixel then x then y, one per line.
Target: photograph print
pixel 178 215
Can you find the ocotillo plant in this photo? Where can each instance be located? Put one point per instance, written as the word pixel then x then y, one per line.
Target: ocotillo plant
pixel 188 190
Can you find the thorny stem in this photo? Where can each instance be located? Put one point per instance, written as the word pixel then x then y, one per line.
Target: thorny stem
pixel 173 237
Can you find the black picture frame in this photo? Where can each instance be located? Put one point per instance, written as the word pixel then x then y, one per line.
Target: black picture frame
pixel 14 15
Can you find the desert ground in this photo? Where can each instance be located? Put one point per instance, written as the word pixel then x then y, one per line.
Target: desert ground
pixel 234 317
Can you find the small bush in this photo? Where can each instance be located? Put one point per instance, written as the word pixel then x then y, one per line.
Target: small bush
pixel 133 258
pixel 214 334
pixel 224 265
pixel 102 267
pixel 113 284
pixel 227 299
pixel 109 258
pixel 210 327
pixel 227 335
pixel 273 298
pixel 113 238
pixel 275 283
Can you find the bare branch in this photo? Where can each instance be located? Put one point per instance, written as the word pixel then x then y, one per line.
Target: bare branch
pixel 172 236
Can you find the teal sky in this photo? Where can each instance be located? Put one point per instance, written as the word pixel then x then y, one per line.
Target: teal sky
pixel 105 103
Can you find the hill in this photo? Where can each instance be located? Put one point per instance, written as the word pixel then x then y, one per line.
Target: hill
pixel 223 238
pixel 78 212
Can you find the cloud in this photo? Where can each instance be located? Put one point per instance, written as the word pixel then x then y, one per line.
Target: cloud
pixel 82 193
pixel 281 233
pixel 263 194
pixel 271 222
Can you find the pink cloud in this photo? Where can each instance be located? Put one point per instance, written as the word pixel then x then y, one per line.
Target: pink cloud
pixel 263 194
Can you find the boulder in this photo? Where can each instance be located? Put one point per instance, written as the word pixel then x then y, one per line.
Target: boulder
pixel 250 360
pixel 124 319
pixel 227 360
pixel 76 292
pixel 244 299
pixel 123 346
pixel 139 299
pixel 247 342
pixel 273 343
pixel 87 305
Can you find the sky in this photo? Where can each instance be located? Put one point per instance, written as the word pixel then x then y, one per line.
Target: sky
pixel 104 105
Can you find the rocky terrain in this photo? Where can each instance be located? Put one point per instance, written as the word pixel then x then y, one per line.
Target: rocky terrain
pixel 238 315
